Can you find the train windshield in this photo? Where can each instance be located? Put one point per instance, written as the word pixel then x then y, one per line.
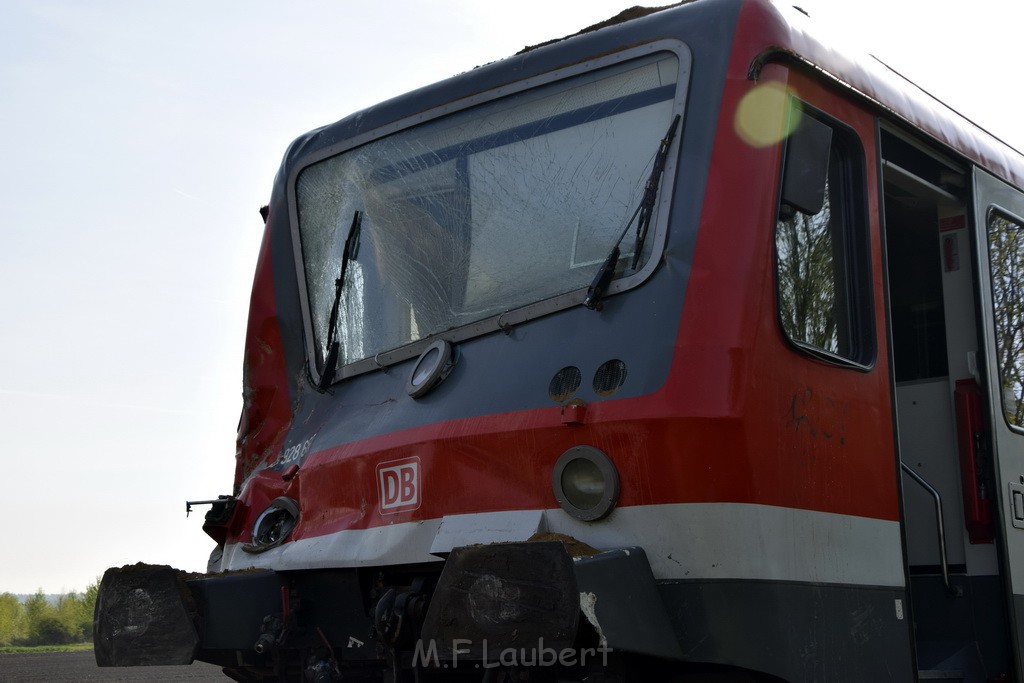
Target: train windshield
pixel 491 209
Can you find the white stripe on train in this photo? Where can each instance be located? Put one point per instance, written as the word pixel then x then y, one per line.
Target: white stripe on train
pixel 682 541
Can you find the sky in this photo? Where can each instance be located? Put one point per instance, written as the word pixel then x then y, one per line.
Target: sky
pixel 139 140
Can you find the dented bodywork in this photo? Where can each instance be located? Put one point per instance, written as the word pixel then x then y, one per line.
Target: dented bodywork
pixel 489 414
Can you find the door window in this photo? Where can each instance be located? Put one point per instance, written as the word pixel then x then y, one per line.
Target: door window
pixel 1006 262
pixel 822 273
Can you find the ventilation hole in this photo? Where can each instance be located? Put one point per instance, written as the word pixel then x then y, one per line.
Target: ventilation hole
pixel 609 377
pixel 565 383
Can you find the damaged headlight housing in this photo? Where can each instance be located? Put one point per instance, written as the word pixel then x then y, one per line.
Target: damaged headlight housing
pixel 273 525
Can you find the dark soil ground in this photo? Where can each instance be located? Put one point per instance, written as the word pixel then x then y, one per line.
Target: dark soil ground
pixel 61 667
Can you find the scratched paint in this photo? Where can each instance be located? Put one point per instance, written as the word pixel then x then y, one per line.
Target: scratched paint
pixel 812 414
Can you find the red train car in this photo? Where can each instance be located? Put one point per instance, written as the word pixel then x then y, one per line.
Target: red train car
pixel 685 348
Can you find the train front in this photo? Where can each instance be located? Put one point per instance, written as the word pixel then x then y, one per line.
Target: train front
pixel 456 451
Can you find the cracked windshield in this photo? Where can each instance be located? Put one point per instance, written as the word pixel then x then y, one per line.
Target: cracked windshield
pixel 488 210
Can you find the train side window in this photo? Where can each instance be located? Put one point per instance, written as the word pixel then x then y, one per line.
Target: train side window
pixel 821 252
pixel 1006 262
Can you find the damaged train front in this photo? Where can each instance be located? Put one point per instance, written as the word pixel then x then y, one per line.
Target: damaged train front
pixel 419 466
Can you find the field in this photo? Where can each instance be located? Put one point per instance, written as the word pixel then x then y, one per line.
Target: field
pixel 61 667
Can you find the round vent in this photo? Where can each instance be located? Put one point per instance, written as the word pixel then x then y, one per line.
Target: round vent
pixel 565 383
pixel 609 377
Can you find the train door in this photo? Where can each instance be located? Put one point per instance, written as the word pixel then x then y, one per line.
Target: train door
pixel 958 595
pixel 999 217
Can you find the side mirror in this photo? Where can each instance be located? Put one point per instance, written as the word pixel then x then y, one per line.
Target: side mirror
pixel 805 171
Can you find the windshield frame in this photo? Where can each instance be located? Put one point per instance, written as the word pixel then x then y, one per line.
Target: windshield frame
pixel 515 316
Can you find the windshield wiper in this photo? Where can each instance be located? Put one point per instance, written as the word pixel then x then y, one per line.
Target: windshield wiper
pixel 645 210
pixel 333 346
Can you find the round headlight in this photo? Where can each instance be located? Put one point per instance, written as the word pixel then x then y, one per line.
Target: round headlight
pixel 431 367
pixel 586 483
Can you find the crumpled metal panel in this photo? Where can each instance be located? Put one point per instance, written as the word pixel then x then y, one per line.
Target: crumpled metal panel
pixel 145 616
pixel 503 596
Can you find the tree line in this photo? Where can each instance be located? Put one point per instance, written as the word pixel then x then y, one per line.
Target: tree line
pixel 42 621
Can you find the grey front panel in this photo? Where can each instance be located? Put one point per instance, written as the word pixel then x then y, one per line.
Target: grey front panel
pixel 500 373
pixel 800 632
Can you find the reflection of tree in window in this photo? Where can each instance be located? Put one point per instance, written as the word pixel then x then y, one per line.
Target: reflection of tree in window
pixel 809 248
pixel 351 313
pixel 1006 259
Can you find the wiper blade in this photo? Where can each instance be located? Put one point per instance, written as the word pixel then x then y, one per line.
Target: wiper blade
pixel 645 210
pixel 349 253
pixel 651 191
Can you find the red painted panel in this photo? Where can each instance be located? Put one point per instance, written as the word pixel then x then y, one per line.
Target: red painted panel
pixel 266 408
pixel 743 417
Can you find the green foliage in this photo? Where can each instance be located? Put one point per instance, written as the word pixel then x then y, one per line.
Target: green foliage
pixel 15 649
pixel 50 628
pixel 12 620
pixel 40 622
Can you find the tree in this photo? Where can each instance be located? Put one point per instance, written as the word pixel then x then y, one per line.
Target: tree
pixel 89 607
pixel 48 624
pixel 44 621
pixel 50 629
pixel 12 619
pixel 36 608
pixel 70 615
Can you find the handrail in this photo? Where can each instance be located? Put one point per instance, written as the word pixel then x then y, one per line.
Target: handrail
pixel 952 590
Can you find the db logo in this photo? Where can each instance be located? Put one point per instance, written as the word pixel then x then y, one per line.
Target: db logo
pixel 398 482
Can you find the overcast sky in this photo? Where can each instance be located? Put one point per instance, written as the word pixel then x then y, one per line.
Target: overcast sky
pixel 139 140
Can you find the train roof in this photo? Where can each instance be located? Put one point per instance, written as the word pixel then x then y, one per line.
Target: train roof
pixel 765 31
pixel 792 35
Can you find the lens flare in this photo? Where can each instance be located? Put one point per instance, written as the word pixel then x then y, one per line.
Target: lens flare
pixel 763 115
